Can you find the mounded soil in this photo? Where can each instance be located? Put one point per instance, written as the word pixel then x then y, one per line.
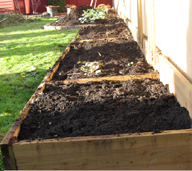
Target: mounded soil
pixel 103 108
pixel 117 30
pixel 73 18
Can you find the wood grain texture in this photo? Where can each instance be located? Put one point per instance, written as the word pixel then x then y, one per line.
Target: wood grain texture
pixel 111 78
pixel 178 84
pixel 168 150
pixel 6 5
pixel 140 22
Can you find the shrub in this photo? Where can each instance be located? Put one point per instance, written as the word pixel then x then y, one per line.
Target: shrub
pixel 14 18
pixel 60 3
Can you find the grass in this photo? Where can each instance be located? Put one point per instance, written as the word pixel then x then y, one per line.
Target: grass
pixel 26 54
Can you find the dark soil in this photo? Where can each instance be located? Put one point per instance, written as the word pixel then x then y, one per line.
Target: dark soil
pixel 117 30
pixel 115 57
pixel 103 108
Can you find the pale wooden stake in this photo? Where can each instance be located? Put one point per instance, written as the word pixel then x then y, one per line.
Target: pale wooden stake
pixel 140 22
pixel 151 31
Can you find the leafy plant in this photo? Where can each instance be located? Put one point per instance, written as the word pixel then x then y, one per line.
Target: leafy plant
pixel 91 15
pixel 60 3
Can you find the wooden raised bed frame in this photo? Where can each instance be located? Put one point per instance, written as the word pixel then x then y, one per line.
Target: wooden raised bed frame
pixel 167 150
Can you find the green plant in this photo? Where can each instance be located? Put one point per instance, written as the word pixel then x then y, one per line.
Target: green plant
pixel 60 3
pixel 91 15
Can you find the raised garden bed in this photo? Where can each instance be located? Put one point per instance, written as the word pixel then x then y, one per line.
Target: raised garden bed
pixel 100 124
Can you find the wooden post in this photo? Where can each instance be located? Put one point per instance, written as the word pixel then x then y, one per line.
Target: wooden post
pixel 153 25
pixel 151 30
pixel 140 22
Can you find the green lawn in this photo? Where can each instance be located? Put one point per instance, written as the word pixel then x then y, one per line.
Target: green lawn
pixel 26 54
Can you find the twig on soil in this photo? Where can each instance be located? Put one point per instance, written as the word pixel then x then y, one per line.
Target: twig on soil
pixel 73 97
pixel 99 53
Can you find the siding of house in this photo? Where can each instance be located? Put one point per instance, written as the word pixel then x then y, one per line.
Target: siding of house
pixel 173 27
pixel 20 6
pixel 14 5
pixel 6 5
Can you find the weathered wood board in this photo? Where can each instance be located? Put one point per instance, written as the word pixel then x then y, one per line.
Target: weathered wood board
pixel 167 150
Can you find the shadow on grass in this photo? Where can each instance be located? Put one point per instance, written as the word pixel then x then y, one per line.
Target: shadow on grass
pixel 23 50
pixel 14 94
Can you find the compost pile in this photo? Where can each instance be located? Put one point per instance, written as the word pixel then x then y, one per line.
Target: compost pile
pixel 102 109
pixel 72 18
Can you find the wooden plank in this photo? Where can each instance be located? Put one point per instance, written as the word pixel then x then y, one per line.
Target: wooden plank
pixel 12 158
pixel 178 84
pixel 153 28
pixel 92 40
pixel 151 32
pixel 111 78
pixel 168 150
